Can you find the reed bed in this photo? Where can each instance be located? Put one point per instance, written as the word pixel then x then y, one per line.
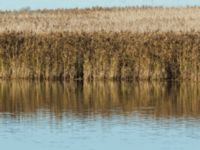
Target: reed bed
pixel 101 43
pixel 100 55
pixel 131 19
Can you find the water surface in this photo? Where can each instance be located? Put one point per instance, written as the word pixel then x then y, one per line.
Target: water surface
pixel 99 115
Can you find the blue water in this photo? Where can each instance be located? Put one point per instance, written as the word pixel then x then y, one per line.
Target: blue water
pixel 40 4
pixel 103 115
pixel 116 132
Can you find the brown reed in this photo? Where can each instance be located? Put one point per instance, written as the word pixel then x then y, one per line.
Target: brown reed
pixel 100 55
pixel 131 19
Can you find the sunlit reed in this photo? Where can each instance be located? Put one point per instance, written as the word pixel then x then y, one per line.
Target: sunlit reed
pixel 100 56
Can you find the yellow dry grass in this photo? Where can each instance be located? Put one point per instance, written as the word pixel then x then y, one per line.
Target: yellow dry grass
pixel 100 55
pixel 130 19
pixel 101 43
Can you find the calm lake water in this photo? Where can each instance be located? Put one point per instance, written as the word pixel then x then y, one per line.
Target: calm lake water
pixel 99 115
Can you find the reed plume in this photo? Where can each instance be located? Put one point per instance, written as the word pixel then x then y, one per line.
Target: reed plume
pixel 100 43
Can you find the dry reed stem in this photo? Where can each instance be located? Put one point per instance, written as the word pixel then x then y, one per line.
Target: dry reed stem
pixel 100 55
pixel 131 19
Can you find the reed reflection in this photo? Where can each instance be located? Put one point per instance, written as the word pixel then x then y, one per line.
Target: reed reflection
pixel 159 99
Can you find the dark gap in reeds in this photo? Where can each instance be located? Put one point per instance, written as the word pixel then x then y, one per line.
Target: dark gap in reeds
pixel 100 56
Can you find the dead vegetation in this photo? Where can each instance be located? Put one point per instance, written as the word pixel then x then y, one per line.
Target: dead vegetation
pixel 116 44
pixel 131 19
pixel 100 55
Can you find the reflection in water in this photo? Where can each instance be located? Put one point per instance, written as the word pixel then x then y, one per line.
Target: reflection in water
pixel 104 98
pixel 99 115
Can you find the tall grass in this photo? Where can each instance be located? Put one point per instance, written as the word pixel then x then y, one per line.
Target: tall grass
pixel 101 43
pixel 100 55
pixel 132 19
